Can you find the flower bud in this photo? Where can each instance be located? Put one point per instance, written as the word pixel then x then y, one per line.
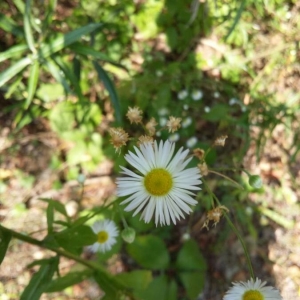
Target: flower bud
pixel 255 181
pixel 128 235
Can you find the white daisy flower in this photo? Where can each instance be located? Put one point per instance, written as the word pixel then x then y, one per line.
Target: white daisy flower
pixel 197 95
pixel 207 109
pixel 162 186
pixel 106 231
pixel 182 94
pixel 252 290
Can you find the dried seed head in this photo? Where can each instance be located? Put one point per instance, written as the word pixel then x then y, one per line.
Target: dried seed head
pixel 145 139
pixel 220 141
pixel 134 115
pixel 119 137
pixel 173 124
pixel 203 168
pixel 215 215
pixel 199 153
pixel 150 126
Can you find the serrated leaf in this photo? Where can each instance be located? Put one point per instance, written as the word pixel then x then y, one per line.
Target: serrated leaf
pixel 40 280
pixel 70 279
pixel 5 237
pixel 32 82
pixel 193 283
pixel 190 257
pixel 150 252
pixel 110 88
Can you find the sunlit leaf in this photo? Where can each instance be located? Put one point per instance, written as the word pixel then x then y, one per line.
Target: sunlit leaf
pixel 27 26
pixel 13 51
pixel 32 82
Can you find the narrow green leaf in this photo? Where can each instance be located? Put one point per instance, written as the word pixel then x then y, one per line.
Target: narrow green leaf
pixel 236 19
pixel 57 205
pixel 49 15
pixel 50 217
pixel 32 82
pixel 69 74
pixel 57 74
pixel 77 68
pixel 20 5
pixel 5 237
pixel 9 25
pixel 67 39
pixel 27 26
pixel 111 90
pixel 13 51
pixel 150 252
pixel 87 50
pixel 70 279
pixel 40 280
pixel 14 70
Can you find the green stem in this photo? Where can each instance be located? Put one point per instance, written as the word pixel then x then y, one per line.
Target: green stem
pixel 235 230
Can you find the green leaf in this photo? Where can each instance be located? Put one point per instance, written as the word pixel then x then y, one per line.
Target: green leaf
pixel 5 237
pixel 157 289
pixel 9 25
pixel 67 39
pixel 14 70
pixel 110 88
pixel 172 291
pixel 32 82
pixel 27 26
pixel 87 50
pixel 190 257
pixel 136 280
pixel 193 283
pixel 50 217
pixel 150 252
pixel 13 51
pixel 73 239
pixel 70 279
pixel 56 205
pixel 40 280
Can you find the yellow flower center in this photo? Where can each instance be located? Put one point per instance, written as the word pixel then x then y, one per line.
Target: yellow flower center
pixel 102 237
pixel 253 295
pixel 158 182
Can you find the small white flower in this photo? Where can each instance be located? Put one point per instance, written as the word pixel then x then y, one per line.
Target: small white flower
pixel 185 107
pixel 163 121
pixel 186 122
pixel 197 95
pixel 233 101
pixel 182 94
pixel 106 231
pixel 191 142
pixel 207 109
pixel 252 290
pixel 159 73
pixel 162 186
pixel 163 111
pixel 174 137
pixel 158 133
pixel 216 94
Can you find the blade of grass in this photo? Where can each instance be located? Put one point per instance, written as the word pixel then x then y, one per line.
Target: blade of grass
pixel 103 76
pixel 67 39
pixel 13 51
pixel 14 70
pixel 9 25
pixel 32 82
pixel 236 19
pixel 27 27
pixel 87 50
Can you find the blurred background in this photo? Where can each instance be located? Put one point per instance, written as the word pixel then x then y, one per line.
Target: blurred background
pixel 70 69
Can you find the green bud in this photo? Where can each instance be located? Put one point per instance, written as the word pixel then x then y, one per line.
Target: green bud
pixel 128 235
pixel 255 181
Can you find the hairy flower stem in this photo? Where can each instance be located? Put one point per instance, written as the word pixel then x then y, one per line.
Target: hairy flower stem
pixel 235 230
